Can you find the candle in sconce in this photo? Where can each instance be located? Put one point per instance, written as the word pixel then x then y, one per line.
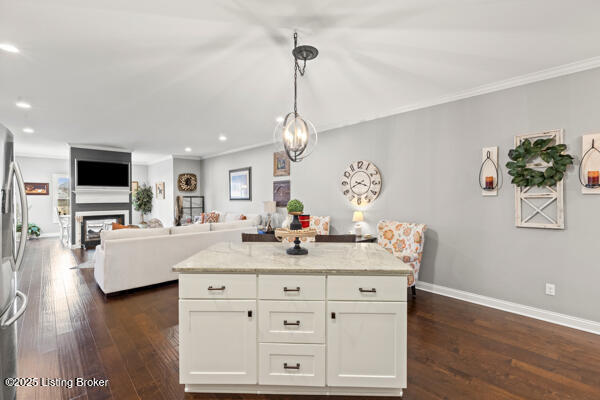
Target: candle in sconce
pixel 489 182
pixel 593 178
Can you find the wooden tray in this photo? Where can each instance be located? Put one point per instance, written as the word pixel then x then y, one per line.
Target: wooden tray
pixel 281 233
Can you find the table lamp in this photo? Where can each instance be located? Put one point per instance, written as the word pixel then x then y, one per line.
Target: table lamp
pixel 358 218
pixel 270 208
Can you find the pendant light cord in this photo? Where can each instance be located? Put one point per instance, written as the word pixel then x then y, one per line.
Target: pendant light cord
pixel 296 70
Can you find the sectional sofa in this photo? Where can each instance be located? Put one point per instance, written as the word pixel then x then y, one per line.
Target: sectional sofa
pixel 133 258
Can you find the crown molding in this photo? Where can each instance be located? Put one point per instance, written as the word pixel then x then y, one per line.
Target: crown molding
pixel 41 155
pixel 521 80
pixel 98 147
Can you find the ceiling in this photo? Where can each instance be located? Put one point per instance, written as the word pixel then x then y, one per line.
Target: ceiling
pixel 158 76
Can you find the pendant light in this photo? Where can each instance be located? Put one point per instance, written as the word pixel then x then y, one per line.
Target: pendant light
pixel 296 134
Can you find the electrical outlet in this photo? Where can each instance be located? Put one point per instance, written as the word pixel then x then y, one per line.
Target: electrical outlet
pixel 550 289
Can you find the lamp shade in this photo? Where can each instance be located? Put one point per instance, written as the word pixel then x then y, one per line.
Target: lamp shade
pixel 357 216
pixel 270 207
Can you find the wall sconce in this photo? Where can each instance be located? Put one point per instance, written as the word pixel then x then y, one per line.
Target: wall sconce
pixel 488 172
pixel 589 167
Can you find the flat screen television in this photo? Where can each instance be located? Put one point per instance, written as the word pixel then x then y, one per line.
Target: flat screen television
pixel 102 174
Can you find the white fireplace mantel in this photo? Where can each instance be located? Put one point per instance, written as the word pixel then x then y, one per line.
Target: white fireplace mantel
pixel 101 195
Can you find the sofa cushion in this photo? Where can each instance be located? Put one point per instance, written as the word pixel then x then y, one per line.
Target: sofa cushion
pixel 194 228
pixel 231 217
pixel 132 233
pixel 225 226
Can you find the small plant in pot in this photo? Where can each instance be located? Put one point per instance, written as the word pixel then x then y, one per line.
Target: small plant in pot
pixel 295 208
pixel 33 231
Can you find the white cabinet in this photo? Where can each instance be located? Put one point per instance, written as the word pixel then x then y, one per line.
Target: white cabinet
pixel 366 344
pixel 217 341
pixel 291 321
pixel 291 364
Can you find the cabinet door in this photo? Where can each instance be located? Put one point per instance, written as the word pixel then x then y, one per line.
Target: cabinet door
pixel 217 341
pixel 366 344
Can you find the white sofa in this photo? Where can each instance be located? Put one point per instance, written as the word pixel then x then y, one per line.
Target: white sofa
pixel 132 258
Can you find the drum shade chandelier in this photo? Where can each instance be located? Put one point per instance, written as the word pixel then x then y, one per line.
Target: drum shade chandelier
pixel 295 134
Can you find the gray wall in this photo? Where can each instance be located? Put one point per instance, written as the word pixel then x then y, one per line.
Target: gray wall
pixel 95 155
pixel 429 160
pixel 38 169
pixel 163 209
pixel 139 173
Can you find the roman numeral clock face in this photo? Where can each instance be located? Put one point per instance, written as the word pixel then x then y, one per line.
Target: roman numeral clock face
pixel 361 182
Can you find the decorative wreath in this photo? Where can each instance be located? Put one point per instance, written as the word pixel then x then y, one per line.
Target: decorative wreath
pixel 524 176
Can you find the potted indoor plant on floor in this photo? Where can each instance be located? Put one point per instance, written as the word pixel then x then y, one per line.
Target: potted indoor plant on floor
pixel 142 201
pixel 33 231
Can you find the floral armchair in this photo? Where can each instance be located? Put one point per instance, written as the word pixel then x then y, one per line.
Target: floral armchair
pixel 405 241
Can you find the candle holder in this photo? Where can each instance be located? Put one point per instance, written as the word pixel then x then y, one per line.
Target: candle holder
pixel 593 176
pixel 490 182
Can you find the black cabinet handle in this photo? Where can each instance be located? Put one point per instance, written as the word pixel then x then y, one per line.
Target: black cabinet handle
pixel 285 323
pixel 286 366
pixel 250 313
pixel 216 288
pixel 286 289
pixel 373 290
pixel 332 315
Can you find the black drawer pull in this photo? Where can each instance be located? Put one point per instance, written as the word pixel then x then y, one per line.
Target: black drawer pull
pixel 285 323
pixel 216 288
pixel 286 366
pixel 250 313
pixel 373 290
pixel 332 315
pixel 286 289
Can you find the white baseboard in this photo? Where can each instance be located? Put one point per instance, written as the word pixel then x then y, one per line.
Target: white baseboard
pixel 537 313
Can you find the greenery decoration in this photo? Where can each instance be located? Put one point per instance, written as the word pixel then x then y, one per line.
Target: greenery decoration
pixel 295 205
pixel 32 229
pixel 526 152
pixel 142 200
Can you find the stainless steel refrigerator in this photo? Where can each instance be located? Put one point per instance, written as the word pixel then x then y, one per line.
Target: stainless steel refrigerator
pixel 12 301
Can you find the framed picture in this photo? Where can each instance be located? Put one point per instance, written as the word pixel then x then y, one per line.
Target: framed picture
pixel 240 184
pixel 160 190
pixel 281 193
pixel 134 187
pixel 37 189
pixel 281 164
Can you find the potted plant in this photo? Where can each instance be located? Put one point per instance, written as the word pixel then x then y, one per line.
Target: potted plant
pixel 142 201
pixel 295 208
pixel 33 231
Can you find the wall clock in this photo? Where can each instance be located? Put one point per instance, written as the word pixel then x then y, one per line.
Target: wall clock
pixel 187 182
pixel 361 182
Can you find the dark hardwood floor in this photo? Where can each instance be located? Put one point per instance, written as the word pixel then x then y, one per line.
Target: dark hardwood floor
pixel 456 350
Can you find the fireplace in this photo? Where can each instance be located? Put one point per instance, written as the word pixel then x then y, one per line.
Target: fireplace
pixel 92 225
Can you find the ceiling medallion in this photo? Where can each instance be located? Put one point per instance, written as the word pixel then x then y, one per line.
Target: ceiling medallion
pixel 296 134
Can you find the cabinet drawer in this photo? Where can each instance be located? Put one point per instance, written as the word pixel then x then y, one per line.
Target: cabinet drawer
pixel 369 288
pixel 217 286
pixel 291 364
pixel 291 321
pixel 291 287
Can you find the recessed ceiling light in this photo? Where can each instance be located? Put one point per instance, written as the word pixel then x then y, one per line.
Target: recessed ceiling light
pixel 23 104
pixel 222 138
pixel 28 130
pixel 9 48
pixel 279 119
pixel 188 149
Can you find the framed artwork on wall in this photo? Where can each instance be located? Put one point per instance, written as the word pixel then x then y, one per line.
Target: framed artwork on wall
pixel 37 188
pixel 160 190
pixel 281 193
pixel 281 164
pixel 134 187
pixel 240 184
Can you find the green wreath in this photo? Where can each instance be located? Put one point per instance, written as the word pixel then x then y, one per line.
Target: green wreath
pixel 524 153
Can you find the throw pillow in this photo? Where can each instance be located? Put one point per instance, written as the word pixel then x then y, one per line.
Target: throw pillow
pixel 116 226
pixel 243 217
pixel 212 217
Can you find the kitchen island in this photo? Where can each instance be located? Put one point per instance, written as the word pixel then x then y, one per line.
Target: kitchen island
pixel 253 319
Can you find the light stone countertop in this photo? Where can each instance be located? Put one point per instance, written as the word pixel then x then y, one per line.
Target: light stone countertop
pixel 271 258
